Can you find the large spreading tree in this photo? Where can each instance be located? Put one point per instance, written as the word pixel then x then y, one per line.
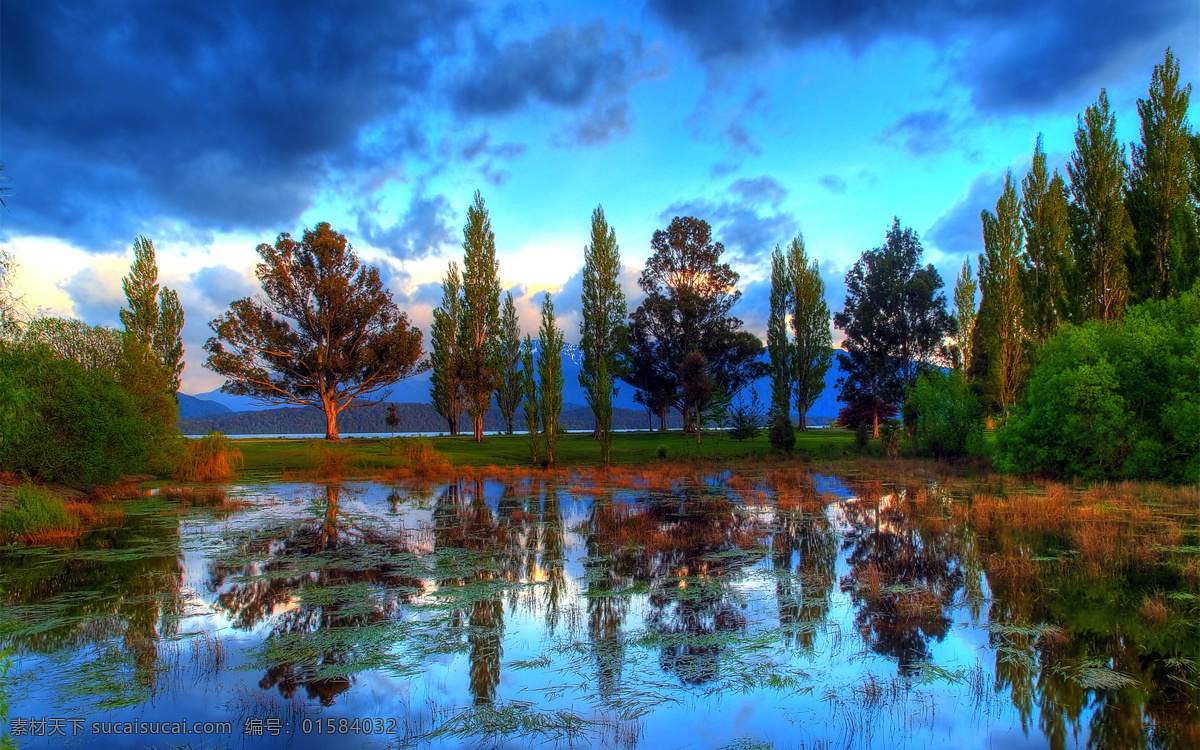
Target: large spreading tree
pixel 602 331
pixel 896 322
pixel 689 295
pixel 327 334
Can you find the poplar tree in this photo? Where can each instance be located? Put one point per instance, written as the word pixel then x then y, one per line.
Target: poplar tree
pixel 1161 180
pixel 1048 263
pixel 812 351
pixel 508 392
pixel 778 347
pixel 602 331
pixel 479 322
pixel 1000 275
pixel 533 421
pixel 1102 230
pixel 964 314
pixel 445 388
pixel 550 377
pixel 154 319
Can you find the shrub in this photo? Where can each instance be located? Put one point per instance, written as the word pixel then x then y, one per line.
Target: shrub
pixel 36 515
pixel 1114 401
pixel 945 415
pixel 745 419
pixel 662 451
pixel 76 426
pixel 781 433
pixel 862 435
pixel 212 458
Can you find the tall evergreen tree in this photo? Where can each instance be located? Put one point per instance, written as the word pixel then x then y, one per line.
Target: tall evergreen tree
pixel 1101 229
pixel 964 316
pixel 533 419
pixel 1048 261
pixel 479 324
pixel 602 331
pixel 779 348
pixel 508 392
pixel 445 386
pixel 550 377
pixel 812 351
pixel 1160 181
pixel 1000 275
pixel 895 321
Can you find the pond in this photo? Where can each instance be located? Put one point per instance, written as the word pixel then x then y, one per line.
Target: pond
pixel 786 610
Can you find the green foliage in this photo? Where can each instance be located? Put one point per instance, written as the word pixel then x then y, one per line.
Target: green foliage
pixel 479 319
pixel 661 451
pixel 602 330
pixel 781 350
pixel 393 419
pixel 1114 401
pixel 154 318
pixel 947 415
pixel 1004 335
pixel 445 388
pixel 94 347
pixel 75 426
pixel 964 315
pixel 862 435
pixel 780 432
pixel 10 301
pixel 697 387
pixel 550 377
pixel 326 334
pixel 35 513
pixel 6 740
pixel 745 419
pixel 812 351
pixel 509 382
pixel 1049 264
pixel 533 421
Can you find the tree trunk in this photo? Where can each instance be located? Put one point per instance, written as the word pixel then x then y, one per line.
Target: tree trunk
pixel 876 416
pixel 803 418
pixel 477 423
pixel 331 430
pixel 662 419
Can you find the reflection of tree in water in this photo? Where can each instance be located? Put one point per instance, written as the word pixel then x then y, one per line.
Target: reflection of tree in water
pixel 122 582
pixel 804 556
pixel 674 544
pixel 325 573
pixel 901 579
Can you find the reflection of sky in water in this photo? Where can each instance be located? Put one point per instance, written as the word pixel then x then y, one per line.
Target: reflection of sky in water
pixel 709 693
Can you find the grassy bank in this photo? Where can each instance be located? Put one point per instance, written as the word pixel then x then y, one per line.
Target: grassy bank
pixel 370 455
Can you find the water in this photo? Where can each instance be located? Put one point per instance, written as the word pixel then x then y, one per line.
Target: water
pixel 721 613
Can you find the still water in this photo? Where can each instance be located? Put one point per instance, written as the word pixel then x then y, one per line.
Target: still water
pixel 517 613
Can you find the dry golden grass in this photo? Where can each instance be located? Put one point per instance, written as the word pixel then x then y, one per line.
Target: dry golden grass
pixel 1154 610
pixel 212 458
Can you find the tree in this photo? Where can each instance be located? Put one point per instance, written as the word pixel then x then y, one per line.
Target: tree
pixel 895 321
pixel 533 420
pixel 1101 228
pixel 97 348
pixel 812 351
pixel 155 318
pixel 550 376
pixel 1162 172
pixel 948 415
pixel 478 330
pixel 392 420
pixel 689 294
pixel 746 418
pixel 602 331
pixel 697 386
pixel 779 348
pixel 326 335
pixel 508 392
pixel 445 385
pixel 964 316
pixel 1000 275
pixel 1048 262
pixel 10 301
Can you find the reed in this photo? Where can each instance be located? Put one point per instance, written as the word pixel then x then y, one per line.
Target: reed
pixel 212 458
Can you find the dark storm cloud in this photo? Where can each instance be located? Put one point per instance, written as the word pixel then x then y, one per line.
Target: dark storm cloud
pixel 586 68
pixel 959 231
pixel 1023 54
pixel 422 231
pixel 742 220
pixel 219 112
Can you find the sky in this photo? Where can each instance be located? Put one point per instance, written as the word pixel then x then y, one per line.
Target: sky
pixel 213 127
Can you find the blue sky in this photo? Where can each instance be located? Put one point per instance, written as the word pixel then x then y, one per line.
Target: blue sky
pixel 215 126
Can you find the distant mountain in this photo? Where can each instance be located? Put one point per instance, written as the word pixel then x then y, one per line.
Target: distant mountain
pixel 413 418
pixel 415 390
pixel 191 407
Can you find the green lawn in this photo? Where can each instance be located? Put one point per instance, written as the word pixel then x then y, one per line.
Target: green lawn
pixel 367 454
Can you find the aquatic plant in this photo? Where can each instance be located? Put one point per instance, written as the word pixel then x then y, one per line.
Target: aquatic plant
pixel 212 458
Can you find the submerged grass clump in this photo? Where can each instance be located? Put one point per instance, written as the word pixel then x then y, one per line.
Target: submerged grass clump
pixel 212 458
pixel 37 516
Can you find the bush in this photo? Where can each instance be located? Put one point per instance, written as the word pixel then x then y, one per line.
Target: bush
pixel 745 419
pixel 212 458
pixel 1114 401
pixel 662 451
pixel 862 435
pixel 76 426
pixel 781 432
pixel 36 514
pixel 945 416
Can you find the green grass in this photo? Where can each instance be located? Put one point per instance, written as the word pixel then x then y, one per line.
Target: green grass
pixel 35 514
pixel 366 455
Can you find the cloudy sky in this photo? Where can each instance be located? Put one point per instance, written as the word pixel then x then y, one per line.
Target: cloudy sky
pixel 211 127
